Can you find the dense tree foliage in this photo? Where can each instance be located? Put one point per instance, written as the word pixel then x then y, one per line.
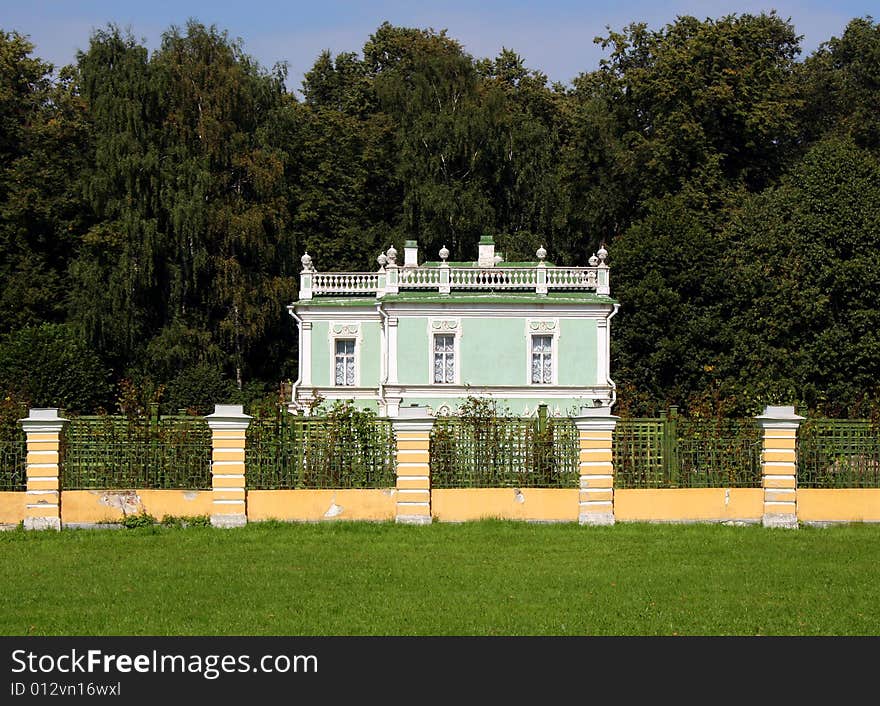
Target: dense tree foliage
pixel 154 205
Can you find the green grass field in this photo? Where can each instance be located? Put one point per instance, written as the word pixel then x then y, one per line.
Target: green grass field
pixel 482 578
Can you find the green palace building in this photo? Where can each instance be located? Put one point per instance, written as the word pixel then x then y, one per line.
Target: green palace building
pixel 431 334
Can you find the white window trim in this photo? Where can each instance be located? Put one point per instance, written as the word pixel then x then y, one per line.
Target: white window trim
pixel 445 327
pixel 543 327
pixel 345 331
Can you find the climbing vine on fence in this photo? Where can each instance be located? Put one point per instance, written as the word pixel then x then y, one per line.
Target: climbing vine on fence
pixel 481 447
pixel 341 447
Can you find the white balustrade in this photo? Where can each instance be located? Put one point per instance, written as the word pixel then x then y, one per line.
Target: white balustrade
pixel 419 278
pixel 345 282
pixel 463 278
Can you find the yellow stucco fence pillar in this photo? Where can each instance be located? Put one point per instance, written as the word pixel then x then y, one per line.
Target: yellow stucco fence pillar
pixel 596 498
pixel 42 429
pixel 412 430
pixel 779 466
pixel 228 426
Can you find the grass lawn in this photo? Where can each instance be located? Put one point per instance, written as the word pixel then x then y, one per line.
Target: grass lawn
pixel 481 578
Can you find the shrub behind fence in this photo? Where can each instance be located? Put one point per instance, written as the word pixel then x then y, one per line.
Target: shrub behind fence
pixel 117 452
pixel 839 453
pixel 504 452
pixel 346 449
pixel 676 452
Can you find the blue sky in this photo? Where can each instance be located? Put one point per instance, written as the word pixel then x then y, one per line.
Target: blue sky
pixel 555 36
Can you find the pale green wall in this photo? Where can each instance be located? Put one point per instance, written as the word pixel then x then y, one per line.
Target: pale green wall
pixel 320 354
pixel 412 350
pixel 371 344
pixel 577 352
pixel 370 352
pixel 493 351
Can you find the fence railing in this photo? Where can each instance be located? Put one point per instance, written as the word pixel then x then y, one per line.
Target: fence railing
pixel 676 452
pixel 288 452
pixel 116 452
pixel 504 453
pixel 838 453
pixel 13 452
pixel 357 451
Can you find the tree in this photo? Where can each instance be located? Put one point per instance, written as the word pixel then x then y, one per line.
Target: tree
pixel 841 85
pixel 700 101
pixel 43 138
pixel 52 366
pixel 429 86
pixel 803 316
pixel 191 205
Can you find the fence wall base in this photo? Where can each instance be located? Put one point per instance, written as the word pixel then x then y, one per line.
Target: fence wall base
pixel 785 521
pixel 596 519
pixel 42 523
pixel 413 520
pixel 227 521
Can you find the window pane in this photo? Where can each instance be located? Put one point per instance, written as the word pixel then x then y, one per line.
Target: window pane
pixel 343 373
pixel 542 360
pixel 444 359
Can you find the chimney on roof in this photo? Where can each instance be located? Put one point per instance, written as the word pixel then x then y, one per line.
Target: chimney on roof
pixel 410 254
pixel 486 255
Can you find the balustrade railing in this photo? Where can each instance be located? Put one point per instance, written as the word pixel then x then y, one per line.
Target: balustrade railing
pixel 345 282
pixel 444 279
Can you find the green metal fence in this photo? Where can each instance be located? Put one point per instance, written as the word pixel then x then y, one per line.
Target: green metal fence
pixel 504 452
pixel 838 453
pixel 349 450
pixel 13 453
pixel 149 452
pixel 677 452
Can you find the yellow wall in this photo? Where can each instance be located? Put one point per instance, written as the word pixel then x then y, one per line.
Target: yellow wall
pixel 683 504
pixel 461 504
pixel 458 505
pixel 838 505
pixel 90 506
pixel 12 507
pixel 311 505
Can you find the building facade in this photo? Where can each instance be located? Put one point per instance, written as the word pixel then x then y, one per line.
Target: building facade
pixel 433 334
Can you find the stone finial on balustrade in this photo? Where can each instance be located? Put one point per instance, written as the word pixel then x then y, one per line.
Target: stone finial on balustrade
pixel 382 260
pixel 541 278
pixel 444 286
pixel 305 277
pixel 602 284
pixel 392 278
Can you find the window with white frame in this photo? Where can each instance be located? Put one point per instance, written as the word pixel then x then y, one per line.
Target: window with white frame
pixel 344 360
pixel 542 360
pixel 444 358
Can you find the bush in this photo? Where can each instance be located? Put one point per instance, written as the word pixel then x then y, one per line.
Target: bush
pixel 51 366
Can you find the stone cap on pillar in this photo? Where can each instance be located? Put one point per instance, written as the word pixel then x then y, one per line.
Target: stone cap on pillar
pixel 412 417
pixel 779 416
pixel 228 416
pixel 595 418
pixel 43 419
